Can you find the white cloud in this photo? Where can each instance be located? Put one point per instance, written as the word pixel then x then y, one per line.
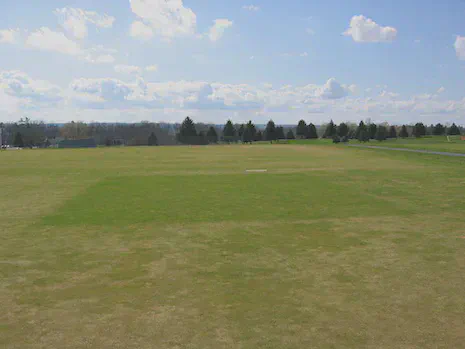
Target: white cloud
pixel 441 90
pixel 288 54
pixel 141 31
pixel 217 30
pixel 106 89
pixel 460 47
pixel 166 18
pixel 102 59
pixel 21 92
pixel 152 68
pixel 332 90
pixel 128 69
pixel 9 36
pixel 353 89
pixel 118 100
pixel 8 104
pixel 251 8
pixel 310 31
pixel 75 21
pixel 363 29
pixel 388 94
pixel 48 40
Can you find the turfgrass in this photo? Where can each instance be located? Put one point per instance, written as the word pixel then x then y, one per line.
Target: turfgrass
pixel 433 143
pixel 333 247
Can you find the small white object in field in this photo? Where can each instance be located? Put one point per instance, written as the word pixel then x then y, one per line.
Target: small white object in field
pixel 256 171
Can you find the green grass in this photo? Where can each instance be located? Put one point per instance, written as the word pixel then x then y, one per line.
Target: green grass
pixel 432 143
pixel 333 247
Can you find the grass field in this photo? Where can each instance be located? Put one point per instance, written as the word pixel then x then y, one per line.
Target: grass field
pixel 432 143
pixel 179 247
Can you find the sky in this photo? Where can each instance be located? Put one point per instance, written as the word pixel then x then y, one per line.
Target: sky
pixel 163 60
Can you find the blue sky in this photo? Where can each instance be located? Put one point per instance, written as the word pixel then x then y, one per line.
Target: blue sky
pixel 161 60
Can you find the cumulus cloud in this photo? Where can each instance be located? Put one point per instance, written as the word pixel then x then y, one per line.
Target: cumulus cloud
pixel 112 93
pixel 107 89
pixel 166 18
pixel 217 30
pixel 128 100
pixel 100 59
pixel 75 21
pixel 252 8
pixel 9 36
pixel 141 31
pixel 460 47
pixel 152 68
pixel 48 40
pixel 23 91
pixel 128 69
pixel 332 90
pixel 45 39
pixel 363 29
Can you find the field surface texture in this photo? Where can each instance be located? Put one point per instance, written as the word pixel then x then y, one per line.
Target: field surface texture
pixel 182 247
pixel 453 144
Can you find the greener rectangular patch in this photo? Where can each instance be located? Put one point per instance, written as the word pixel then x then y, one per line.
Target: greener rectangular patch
pixel 213 198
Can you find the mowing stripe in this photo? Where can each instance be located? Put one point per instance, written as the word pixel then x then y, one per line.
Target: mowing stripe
pixel 408 150
pixel 256 171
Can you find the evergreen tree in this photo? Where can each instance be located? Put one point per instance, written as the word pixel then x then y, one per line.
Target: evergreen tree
pixel 362 133
pixel 364 136
pixel 331 130
pixel 152 141
pixel 280 133
pixel 312 133
pixel 212 136
pixel 259 136
pixel 240 131
pixel 439 130
pixel 343 130
pixel 351 134
pixel 392 132
pixel 381 133
pixel 404 132
pixel 229 132
pixel 18 140
pixel 419 130
pixel 302 130
pixel 187 133
pixel 361 127
pixel 201 138
pixel 270 131
pixel 290 134
pixel 249 133
pixel 453 130
pixel 372 128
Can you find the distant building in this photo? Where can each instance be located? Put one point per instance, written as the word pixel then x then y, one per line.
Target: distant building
pixel 78 143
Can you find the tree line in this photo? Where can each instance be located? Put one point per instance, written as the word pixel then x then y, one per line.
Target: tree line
pixel 364 132
pixel 28 133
